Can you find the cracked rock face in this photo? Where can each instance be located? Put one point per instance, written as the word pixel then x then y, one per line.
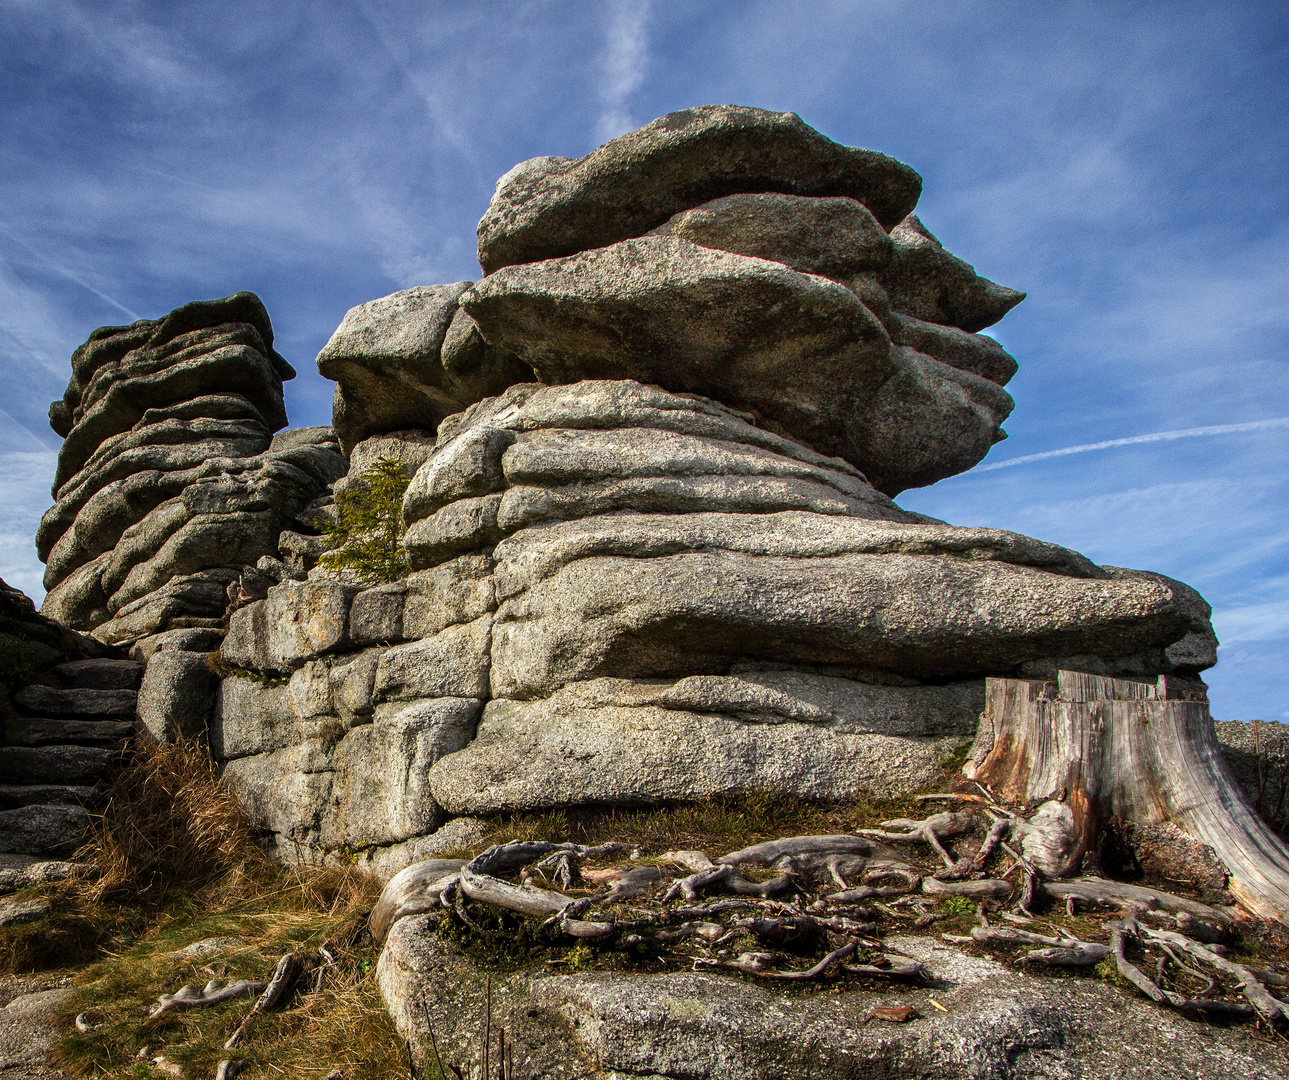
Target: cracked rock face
pixel 170 478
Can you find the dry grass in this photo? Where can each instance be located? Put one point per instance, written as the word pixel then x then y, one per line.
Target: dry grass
pixel 341 1025
pixel 168 828
pixel 177 863
pixel 715 826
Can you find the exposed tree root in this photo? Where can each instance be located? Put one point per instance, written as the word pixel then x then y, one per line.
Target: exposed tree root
pixel 287 969
pixel 215 991
pixel 932 831
pixel 813 905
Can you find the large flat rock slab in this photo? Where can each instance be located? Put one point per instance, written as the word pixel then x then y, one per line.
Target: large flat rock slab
pixel 797 348
pixel 620 743
pixel 550 206
pixel 657 596
pixel 998 1024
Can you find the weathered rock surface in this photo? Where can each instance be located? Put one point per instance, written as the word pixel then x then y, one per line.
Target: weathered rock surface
pixel 27 1005
pixel 177 695
pixel 318 786
pixel 67 711
pixel 1259 760
pixel 927 282
pixel 549 207
pixel 393 370
pixel 653 595
pixel 998 1025
pixel 43 829
pixel 646 598
pixel 169 480
pixel 834 237
pixel 619 743
pixel 797 348
pixel 928 421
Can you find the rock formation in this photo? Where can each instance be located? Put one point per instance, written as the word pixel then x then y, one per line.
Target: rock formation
pixel 409 360
pixel 652 557
pixel 671 567
pixel 170 480
pixel 67 710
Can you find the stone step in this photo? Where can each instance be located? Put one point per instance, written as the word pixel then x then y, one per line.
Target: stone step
pixel 47 701
pixel 42 731
pixel 55 764
pixel 42 829
pixel 13 796
pixel 99 674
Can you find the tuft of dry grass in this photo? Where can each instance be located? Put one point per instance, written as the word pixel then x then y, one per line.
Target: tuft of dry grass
pixel 169 818
pixel 168 827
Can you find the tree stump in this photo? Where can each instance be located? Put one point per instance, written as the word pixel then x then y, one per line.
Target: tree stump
pixel 1092 749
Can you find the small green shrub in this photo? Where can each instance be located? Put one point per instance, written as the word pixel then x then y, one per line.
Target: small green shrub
pixel 957 905
pixel 364 543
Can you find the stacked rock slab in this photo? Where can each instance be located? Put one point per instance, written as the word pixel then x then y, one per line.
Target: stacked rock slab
pixel 624 596
pixel 407 360
pixel 671 567
pixel 68 707
pixel 739 254
pixel 170 480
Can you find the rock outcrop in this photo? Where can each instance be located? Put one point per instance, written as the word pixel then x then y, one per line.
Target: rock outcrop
pixel 407 361
pixel 68 708
pixel 671 567
pixel 756 262
pixel 625 596
pixel 170 479
pixel 975 1018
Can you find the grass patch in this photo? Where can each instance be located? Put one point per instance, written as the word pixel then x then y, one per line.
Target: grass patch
pixel 342 1025
pixel 720 824
pixel 178 863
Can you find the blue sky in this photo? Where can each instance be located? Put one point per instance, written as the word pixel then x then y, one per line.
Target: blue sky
pixel 1123 164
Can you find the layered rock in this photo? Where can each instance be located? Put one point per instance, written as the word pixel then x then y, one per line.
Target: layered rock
pixel 67 709
pixel 759 263
pixel 625 596
pixel 672 566
pixel 407 361
pixel 170 479
pixel 549 206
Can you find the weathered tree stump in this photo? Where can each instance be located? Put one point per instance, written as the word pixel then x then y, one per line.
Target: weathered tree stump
pixel 1093 749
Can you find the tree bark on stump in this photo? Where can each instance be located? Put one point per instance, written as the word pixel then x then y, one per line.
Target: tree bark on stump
pixel 1092 749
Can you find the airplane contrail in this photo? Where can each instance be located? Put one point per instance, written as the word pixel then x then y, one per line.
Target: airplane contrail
pixel 68 274
pixel 1158 436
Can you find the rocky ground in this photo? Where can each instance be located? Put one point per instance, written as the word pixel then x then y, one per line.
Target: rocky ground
pixel 27 1003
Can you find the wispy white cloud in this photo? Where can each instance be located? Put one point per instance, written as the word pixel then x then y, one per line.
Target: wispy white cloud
pixel 29 328
pixel 1256 622
pixel 58 268
pixel 1136 440
pixel 622 71
pixel 122 42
